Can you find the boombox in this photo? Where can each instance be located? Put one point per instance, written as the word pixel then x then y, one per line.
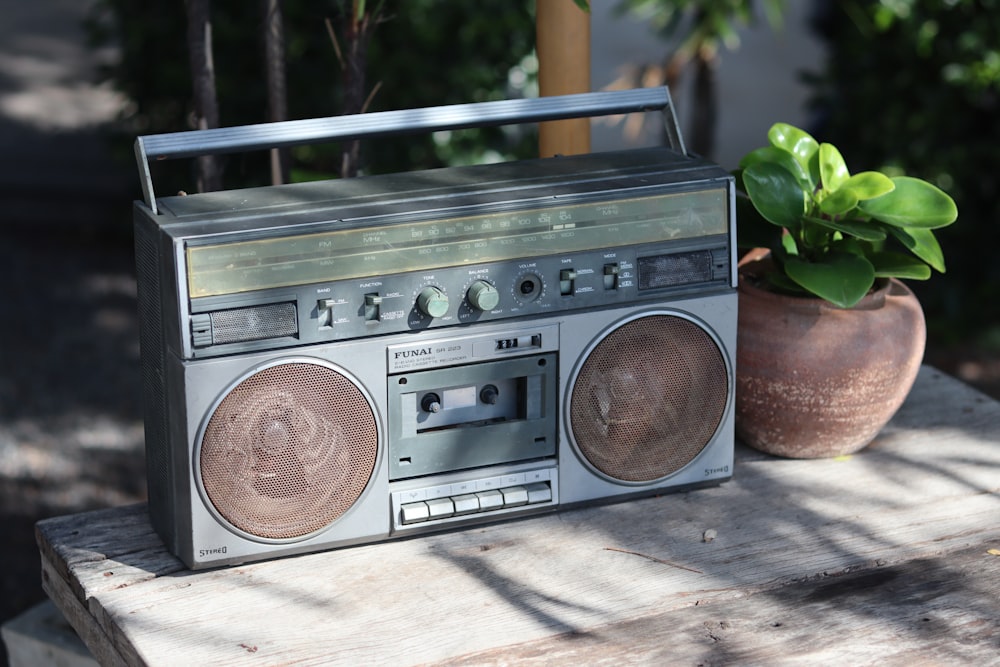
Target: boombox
pixel 345 361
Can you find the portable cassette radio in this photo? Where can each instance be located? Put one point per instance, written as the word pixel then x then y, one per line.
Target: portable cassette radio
pixel 340 362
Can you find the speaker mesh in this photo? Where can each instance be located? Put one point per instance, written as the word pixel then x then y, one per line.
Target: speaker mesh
pixel 254 323
pixel 649 398
pixel 288 450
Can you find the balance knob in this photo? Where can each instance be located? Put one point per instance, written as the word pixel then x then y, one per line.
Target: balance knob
pixel 432 302
pixel 483 296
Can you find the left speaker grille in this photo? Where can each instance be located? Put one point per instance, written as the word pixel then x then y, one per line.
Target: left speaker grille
pixel 289 450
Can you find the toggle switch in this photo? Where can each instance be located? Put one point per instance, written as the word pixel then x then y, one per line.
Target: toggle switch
pixel 324 311
pixel 373 307
pixel 567 278
pixel 610 276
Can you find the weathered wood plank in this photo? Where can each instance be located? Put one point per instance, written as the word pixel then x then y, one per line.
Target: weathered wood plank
pixel 934 611
pixel 928 487
pixel 75 611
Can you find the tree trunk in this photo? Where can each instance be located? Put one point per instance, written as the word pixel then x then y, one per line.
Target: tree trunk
pixel 705 106
pixel 356 26
pixel 563 45
pixel 277 89
pixel 206 104
pixel 354 89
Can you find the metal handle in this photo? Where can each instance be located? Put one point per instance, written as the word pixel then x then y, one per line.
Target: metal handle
pixel 390 123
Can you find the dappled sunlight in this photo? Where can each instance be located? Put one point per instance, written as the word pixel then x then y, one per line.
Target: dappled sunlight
pixel 49 74
pixel 883 540
pixel 57 107
pixel 919 492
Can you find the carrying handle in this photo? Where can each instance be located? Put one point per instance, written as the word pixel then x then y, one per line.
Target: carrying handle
pixel 282 134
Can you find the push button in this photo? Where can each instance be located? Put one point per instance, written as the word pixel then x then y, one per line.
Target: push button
pixel 466 504
pixel 438 508
pixel 490 500
pixel 538 492
pixel 514 496
pixel 415 512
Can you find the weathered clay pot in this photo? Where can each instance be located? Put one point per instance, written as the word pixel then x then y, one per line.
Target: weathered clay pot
pixel 814 380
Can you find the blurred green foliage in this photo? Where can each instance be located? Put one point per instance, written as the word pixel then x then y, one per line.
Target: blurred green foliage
pixel 703 25
pixel 697 31
pixel 426 53
pixel 914 85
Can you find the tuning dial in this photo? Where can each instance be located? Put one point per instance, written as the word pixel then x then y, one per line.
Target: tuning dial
pixel 432 302
pixel 482 295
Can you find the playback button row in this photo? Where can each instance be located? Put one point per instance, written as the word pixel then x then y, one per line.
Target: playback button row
pixel 480 501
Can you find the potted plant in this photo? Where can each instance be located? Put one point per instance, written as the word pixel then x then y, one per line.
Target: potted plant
pixel 830 340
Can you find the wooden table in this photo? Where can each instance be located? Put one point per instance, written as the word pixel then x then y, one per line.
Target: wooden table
pixel 889 556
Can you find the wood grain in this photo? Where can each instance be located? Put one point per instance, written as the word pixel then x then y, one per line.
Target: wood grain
pixel 925 490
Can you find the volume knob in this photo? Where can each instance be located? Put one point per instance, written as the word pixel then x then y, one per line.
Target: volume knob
pixel 432 302
pixel 482 295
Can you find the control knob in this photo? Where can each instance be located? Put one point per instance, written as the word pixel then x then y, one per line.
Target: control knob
pixel 432 302
pixel 482 295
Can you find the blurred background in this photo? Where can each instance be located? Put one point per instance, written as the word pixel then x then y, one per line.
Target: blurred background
pixel 909 85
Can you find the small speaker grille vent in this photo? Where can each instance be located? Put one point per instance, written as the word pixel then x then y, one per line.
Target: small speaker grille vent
pixel 649 398
pixel 676 269
pixel 254 323
pixel 289 450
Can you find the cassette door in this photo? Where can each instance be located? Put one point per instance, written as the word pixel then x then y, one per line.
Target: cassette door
pixel 647 403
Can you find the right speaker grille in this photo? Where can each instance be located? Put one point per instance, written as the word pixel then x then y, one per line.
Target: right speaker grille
pixel 648 398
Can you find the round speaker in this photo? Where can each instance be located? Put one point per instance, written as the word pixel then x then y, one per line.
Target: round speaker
pixel 648 397
pixel 288 450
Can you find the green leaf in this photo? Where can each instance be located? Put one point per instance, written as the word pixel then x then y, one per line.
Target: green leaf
pixel 898 265
pixel 861 230
pixel 788 245
pixel 868 185
pixel 843 279
pixel 775 194
pixel 851 245
pixel 832 168
pixel 797 142
pixel 780 157
pixel 922 243
pixel 839 202
pixel 913 203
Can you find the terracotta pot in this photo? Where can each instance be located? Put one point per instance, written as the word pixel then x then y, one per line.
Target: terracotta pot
pixel 814 380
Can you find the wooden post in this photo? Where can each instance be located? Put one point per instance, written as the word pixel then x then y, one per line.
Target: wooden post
pixel 563 45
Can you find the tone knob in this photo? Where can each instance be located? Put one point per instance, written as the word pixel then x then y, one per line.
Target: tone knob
pixel 483 296
pixel 432 302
